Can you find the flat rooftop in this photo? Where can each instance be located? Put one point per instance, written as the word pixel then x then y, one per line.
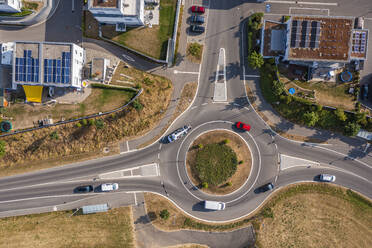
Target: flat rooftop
pixel 272 33
pixel 105 3
pixel 320 38
pixel 130 7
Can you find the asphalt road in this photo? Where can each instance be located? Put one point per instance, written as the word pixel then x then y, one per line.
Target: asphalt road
pixel 55 186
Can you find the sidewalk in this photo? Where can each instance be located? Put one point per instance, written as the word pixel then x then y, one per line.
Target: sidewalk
pixel 149 236
pixel 46 12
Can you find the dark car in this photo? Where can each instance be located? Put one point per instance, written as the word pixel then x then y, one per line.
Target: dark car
pixel 365 91
pixel 197 9
pixel 197 19
pixel 264 188
pixel 243 126
pixel 197 29
pixel 84 189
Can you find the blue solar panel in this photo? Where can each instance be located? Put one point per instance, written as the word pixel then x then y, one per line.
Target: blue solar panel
pixel 28 53
pixel 45 78
pixel 50 78
pixel 58 78
pixel 24 77
pixel 24 53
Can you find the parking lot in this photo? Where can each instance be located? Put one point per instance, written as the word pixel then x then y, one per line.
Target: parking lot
pixel 192 36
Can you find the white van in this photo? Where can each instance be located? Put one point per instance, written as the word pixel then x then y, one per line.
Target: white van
pixel 213 205
pixel 109 186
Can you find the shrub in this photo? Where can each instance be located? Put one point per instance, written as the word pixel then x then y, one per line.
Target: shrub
pixel 319 107
pixel 360 118
pixel 78 124
pixel 195 50
pixel 267 212
pixel 54 135
pixel 200 146
pixel 91 122
pixel 164 214
pixel 286 18
pixel 205 185
pixel 255 60
pixel 137 105
pixel 2 148
pixel 340 115
pixel 310 118
pixel 327 119
pixel 229 184
pixel 352 129
pixel 225 141
pixel 148 81
pixel 241 161
pixel 250 34
pixel 138 86
pixel 357 106
pixel 84 122
pixel 255 21
pixel 100 124
pixel 278 87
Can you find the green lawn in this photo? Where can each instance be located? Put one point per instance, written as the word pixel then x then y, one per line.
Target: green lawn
pixel 24 12
pixel 215 163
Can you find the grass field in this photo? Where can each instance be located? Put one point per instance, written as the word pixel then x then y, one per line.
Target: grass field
pixel 100 100
pixel 242 154
pixel 150 41
pixel 58 229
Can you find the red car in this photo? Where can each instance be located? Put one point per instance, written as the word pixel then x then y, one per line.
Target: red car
pixel 197 9
pixel 243 126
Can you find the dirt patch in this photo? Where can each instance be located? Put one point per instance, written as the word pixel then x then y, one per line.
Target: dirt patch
pixel 90 25
pixel 111 229
pixel 187 95
pixel 40 149
pixel 239 147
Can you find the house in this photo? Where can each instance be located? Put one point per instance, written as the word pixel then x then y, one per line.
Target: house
pixel 314 41
pixel 35 65
pixel 10 6
pixel 122 13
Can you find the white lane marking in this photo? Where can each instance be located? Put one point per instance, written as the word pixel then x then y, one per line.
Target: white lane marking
pixel 128 146
pixel 235 104
pixel 194 107
pixel 287 162
pixel 158 155
pixel 365 150
pixel 204 103
pixel 131 172
pixel 294 8
pixel 73 5
pixel 220 102
pixel 160 146
pixel 186 72
pixel 298 2
pixel 257 76
pixel 133 150
pixel 276 178
pixel 276 146
pixel 128 57
pixel 135 199
pixel 43 197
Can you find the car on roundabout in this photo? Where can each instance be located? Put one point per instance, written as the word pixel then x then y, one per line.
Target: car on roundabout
pixel 264 188
pixel 179 133
pixel 327 178
pixel 243 126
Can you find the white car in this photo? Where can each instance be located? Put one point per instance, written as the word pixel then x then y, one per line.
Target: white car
pixel 109 187
pixel 327 178
pixel 178 133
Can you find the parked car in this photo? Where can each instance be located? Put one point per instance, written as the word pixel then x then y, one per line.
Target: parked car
pixel 327 178
pixel 178 133
pixel 243 126
pixel 84 189
pixel 197 19
pixel 264 188
pixel 197 29
pixel 197 9
pixel 365 91
pixel 109 187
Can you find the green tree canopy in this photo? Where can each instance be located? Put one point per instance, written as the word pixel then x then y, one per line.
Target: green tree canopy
pixel 255 60
pixel 311 118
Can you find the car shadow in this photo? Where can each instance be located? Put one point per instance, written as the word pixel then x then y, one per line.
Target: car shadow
pixel 200 207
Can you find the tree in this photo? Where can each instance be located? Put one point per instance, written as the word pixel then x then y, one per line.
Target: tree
pixel 340 114
pixel 360 118
pixel 278 87
pixel 137 105
pixel 100 124
pixel 164 214
pixel 205 185
pixel 255 60
pixel 311 118
pixel 2 148
pixel 352 129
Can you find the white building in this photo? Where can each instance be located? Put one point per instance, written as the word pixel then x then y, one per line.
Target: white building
pixel 10 5
pixel 50 64
pixel 121 13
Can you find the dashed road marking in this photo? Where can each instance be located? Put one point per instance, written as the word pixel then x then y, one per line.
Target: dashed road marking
pixel 186 72
pixel 204 103
pixel 194 107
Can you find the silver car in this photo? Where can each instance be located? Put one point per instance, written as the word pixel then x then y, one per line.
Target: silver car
pixel 327 178
pixel 178 133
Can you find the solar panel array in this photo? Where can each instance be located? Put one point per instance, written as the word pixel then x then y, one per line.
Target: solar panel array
pixel 305 34
pixel 359 42
pixel 27 68
pixel 57 70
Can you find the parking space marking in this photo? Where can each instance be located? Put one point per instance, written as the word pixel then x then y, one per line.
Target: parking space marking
pixel 294 8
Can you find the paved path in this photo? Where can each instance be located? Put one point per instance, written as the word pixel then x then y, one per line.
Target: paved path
pixel 150 237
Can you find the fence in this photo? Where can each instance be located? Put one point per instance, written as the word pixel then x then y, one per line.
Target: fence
pixel 76 119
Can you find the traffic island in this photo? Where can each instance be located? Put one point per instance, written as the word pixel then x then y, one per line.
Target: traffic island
pixel 219 162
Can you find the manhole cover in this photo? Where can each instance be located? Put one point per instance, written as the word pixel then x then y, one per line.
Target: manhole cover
pixel 106 150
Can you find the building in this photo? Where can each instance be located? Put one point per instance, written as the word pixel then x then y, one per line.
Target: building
pixel 314 41
pixel 122 13
pixel 10 6
pixel 35 65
